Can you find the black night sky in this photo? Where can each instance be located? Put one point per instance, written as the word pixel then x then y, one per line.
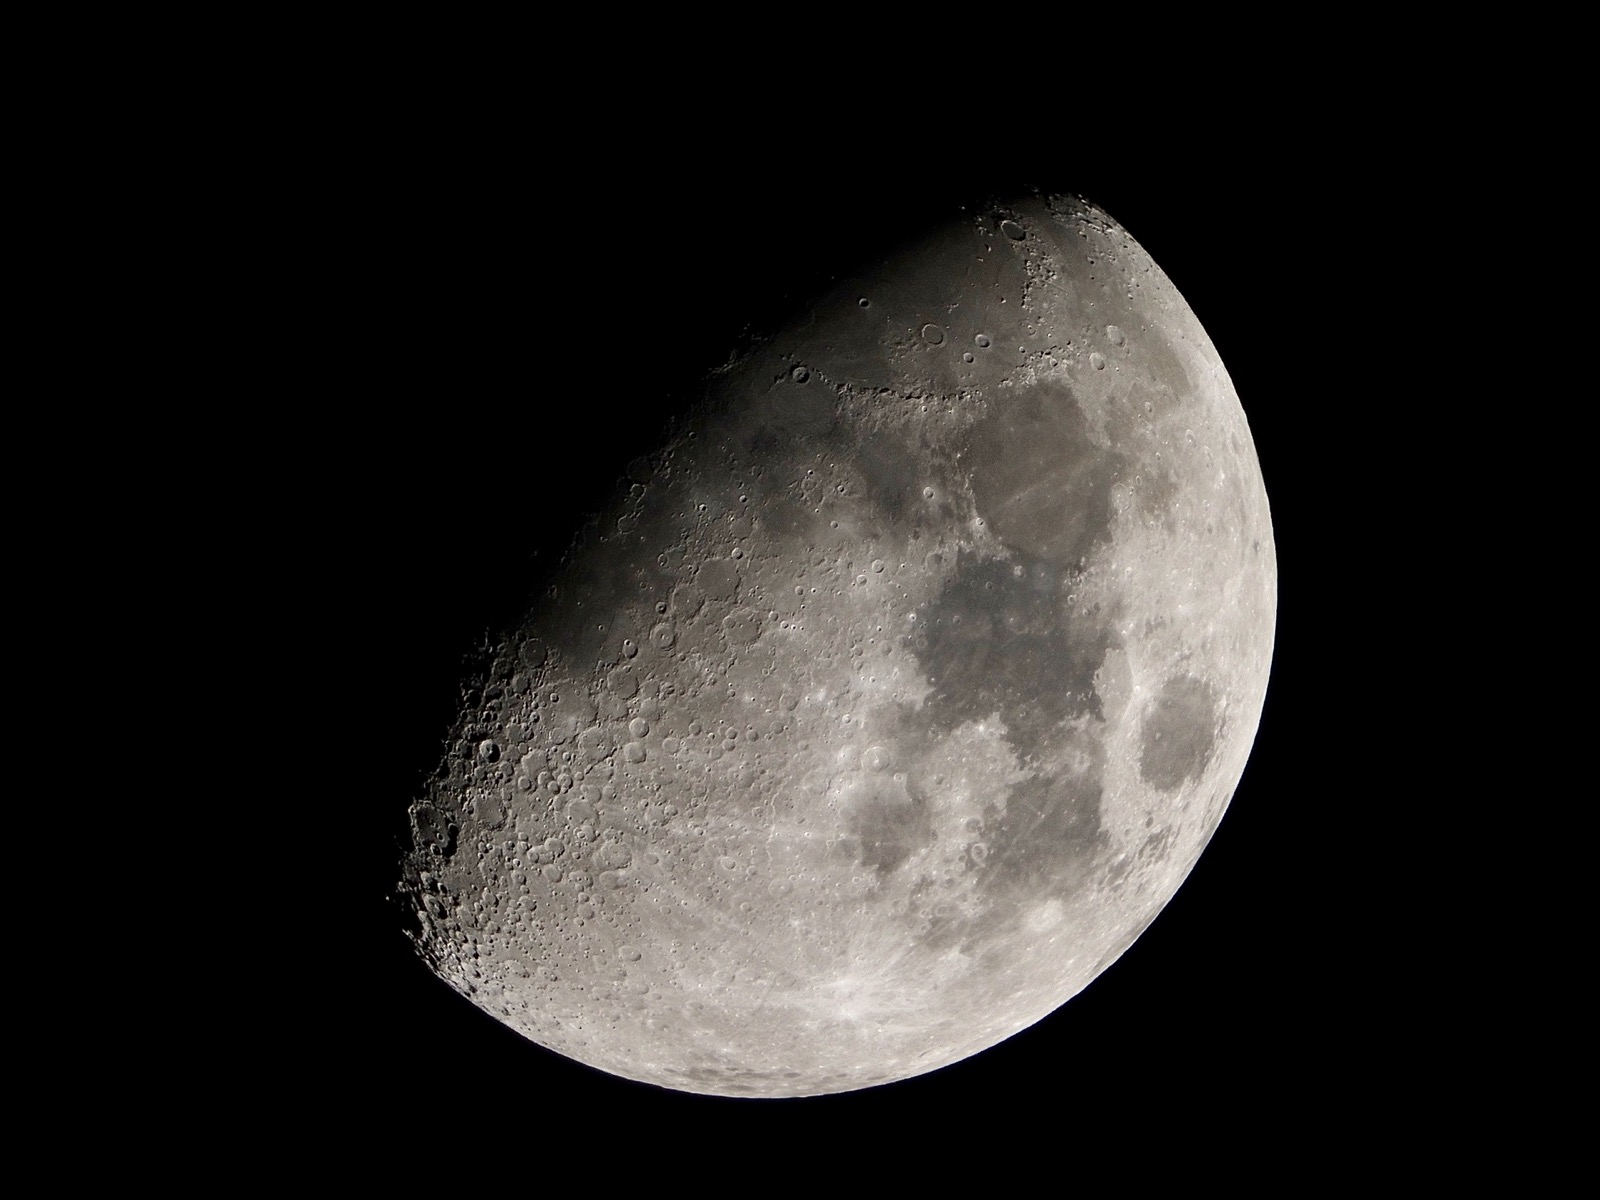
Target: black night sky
pixel 514 318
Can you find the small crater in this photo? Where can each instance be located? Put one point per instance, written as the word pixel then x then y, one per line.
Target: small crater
pixel 613 856
pixel 741 628
pixel 876 758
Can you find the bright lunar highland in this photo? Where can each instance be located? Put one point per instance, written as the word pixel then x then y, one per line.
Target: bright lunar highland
pixel 892 698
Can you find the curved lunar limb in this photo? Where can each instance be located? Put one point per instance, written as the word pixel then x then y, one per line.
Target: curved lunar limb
pixel 892 698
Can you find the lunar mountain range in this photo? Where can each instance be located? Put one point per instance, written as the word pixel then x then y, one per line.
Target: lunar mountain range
pixel 891 698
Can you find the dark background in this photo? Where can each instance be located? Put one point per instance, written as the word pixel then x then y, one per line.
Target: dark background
pixel 512 314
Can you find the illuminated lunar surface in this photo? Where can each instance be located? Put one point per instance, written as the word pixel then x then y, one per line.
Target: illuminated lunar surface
pixel 892 699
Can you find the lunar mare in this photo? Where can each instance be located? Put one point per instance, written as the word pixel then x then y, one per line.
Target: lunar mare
pixel 891 699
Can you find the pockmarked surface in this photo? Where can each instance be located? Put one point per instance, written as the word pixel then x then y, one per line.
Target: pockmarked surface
pixel 894 696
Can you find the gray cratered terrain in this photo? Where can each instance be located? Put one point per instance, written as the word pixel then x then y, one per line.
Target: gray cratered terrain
pixel 894 697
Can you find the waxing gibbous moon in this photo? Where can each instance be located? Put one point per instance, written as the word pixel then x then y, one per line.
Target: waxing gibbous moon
pixel 892 697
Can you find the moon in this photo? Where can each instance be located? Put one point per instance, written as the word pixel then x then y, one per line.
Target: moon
pixel 889 700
